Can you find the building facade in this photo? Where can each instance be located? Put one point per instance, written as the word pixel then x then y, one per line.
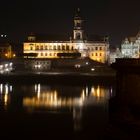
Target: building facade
pixel 130 47
pixel 77 46
pixel 5 50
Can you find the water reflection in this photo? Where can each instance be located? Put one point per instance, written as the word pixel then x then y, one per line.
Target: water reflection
pixel 53 98
pixel 5 90
pixel 77 101
pixel 72 99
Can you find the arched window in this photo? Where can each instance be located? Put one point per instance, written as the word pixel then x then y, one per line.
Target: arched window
pixel 78 36
pixel 67 47
pixel 54 47
pixel 72 48
pixel 63 47
pixel 41 47
pixel 58 47
pixel 37 47
pixel 46 47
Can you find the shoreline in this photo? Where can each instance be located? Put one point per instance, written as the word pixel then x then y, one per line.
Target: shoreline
pixel 55 77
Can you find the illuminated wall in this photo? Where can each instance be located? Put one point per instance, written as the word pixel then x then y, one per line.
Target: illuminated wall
pixel 5 51
pixel 95 51
pixel 49 50
pixel 130 47
pixel 98 51
pixel 53 99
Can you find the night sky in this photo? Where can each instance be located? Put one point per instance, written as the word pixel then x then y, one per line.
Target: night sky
pixel 116 18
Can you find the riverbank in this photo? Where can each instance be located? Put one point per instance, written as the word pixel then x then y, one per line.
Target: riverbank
pixel 62 77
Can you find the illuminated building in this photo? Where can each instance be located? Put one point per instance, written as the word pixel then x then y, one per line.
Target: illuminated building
pixel 5 67
pixel 5 50
pixel 130 47
pixel 76 46
pixel 114 53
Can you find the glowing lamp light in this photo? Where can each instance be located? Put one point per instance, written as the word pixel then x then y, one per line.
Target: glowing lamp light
pixel 77 66
pixel 6 65
pixel 92 69
pixel 1 66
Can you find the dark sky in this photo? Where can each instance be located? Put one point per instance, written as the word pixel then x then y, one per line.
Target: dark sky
pixel 116 18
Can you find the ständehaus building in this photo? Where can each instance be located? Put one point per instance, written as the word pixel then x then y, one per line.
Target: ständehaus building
pixel 77 46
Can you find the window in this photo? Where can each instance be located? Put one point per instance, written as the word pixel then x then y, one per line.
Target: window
pixel 41 47
pixel 100 48
pixel 50 54
pixel 100 54
pixel 78 36
pixel 31 48
pixel 58 47
pixel 78 24
pixel 46 47
pixel 41 54
pixel 67 47
pixel 50 48
pixel 46 54
pixel 96 48
pixel 37 47
pixel 54 47
pixel 96 54
pixel 63 47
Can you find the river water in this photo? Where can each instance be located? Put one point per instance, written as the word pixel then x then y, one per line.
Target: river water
pixel 38 110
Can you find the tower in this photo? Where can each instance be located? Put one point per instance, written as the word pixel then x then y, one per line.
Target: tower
pixel 78 27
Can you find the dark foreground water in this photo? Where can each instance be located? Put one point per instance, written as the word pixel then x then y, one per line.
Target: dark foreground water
pixel 44 111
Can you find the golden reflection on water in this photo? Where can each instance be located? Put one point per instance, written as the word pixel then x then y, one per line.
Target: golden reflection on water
pixel 53 99
pixel 5 90
pixel 72 99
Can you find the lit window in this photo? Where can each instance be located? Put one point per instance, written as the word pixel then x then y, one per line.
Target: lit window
pixel 54 47
pixel 63 47
pixel 58 47
pixel 41 47
pixel 67 47
pixel 92 69
pixel 46 47
pixel 37 47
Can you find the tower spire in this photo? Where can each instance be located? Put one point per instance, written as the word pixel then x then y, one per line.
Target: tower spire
pixel 78 26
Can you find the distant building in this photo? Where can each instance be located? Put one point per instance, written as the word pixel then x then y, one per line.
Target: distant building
pixel 37 64
pixel 76 46
pixel 5 48
pixel 130 47
pixel 114 53
pixel 5 66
